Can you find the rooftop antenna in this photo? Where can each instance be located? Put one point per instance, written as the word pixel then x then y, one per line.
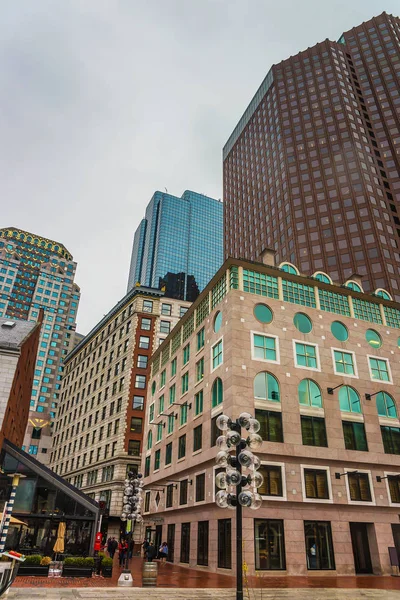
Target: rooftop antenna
pixel 166 190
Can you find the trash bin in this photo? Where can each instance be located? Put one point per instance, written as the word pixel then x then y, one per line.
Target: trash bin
pixel 150 571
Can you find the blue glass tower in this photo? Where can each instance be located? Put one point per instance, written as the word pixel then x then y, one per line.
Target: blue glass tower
pixel 179 244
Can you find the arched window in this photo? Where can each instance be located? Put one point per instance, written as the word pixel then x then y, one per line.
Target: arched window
pixel 322 277
pixel 217 392
pixel 383 294
pixel 149 440
pixel 352 285
pixel 386 406
pixel 310 393
pixel 349 399
pixel 266 387
pixel 289 268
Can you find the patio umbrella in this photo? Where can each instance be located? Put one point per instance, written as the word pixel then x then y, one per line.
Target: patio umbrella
pixel 14 521
pixel 59 545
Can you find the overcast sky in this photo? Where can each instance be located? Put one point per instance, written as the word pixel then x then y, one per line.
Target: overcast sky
pixel 102 102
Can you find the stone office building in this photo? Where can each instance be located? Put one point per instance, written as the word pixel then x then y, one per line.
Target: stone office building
pixel 99 427
pixel 318 365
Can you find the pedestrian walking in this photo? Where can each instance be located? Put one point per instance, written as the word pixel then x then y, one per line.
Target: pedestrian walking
pixel 145 545
pixel 163 551
pixel 151 552
pixel 122 552
pixel 113 547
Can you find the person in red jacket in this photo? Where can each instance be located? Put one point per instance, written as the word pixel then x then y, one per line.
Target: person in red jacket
pixel 122 552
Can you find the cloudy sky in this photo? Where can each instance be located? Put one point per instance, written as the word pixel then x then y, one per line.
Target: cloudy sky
pixel 104 101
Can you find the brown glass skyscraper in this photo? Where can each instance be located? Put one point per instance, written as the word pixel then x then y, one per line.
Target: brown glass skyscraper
pixel 312 168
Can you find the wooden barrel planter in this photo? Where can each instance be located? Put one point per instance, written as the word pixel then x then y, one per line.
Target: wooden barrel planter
pixel 149 578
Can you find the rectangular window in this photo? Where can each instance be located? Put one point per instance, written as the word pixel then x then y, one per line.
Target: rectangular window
pixel 161 404
pixel 379 369
pixel 159 431
pixel 138 402
pixel 168 454
pixel 146 466
pixel 185 543
pixel 313 431
pixel 306 356
pixel 147 305
pixel 200 339
pixel 215 432
pixel 197 438
pixel 134 448
pixel 198 403
pixel 163 378
pixel 172 394
pixel 202 543
pixel 354 436
pixel 170 496
pixel 157 457
pixel 182 446
pixel 140 382
pixel 173 367
pixel 185 383
pixel 144 342
pixel 344 362
pixel 136 425
pixel 151 413
pixel 264 347
pixel 165 327
pixel 394 488
pixel 142 360
pixel 224 544
pixel 147 502
pixel 359 487
pixel 391 439
pixel 316 484
pixel 200 370
pixel 145 324
pixel 272 485
pixel 319 546
pixel 217 355
pixel 186 354
pixel 183 416
pixel 171 420
pixel 271 429
pixel 183 492
pixel 269 543
pixel 166 309
pixel 200 487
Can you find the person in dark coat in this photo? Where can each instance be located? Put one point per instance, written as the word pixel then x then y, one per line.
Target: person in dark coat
pixel 145 545
pixel 151 552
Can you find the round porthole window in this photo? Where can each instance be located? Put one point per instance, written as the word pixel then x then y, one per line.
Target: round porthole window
pixel 373 338
pixel 217 322
pixel 302 323
pixel 339 331
pixel 263 313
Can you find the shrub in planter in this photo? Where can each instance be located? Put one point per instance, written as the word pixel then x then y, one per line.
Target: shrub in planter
pixel 78 566
pixel 106 567
pixel 35 565
pixel 33 559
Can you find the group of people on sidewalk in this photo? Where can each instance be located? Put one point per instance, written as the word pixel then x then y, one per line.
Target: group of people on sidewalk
pixel 125 550
pixel 150 551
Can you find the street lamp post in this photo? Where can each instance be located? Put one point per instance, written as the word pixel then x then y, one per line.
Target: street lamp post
pixel 133 499
pixel 232 481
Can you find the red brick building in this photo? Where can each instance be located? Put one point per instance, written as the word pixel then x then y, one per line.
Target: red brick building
pixel 19 342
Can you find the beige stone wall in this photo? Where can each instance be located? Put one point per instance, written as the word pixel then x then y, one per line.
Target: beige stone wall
pixel 237 373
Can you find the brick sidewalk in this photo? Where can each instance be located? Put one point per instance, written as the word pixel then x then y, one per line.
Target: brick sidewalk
pixel 175 576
